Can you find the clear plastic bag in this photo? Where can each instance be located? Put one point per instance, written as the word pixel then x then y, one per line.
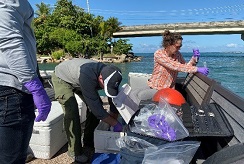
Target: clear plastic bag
pixel 180 152
pixel 159 121
pixel 134 144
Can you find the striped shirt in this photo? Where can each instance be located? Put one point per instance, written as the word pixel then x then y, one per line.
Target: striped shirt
pixel 166 69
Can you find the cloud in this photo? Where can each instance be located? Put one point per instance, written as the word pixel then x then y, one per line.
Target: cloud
pixel 232 45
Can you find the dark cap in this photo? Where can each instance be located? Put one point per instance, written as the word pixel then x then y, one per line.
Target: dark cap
pixel 112 77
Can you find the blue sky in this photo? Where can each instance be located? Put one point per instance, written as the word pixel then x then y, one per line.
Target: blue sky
pixel 140 12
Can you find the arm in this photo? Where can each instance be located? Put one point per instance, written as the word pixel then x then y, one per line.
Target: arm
pixel 40 98
pixel 18 45
pixel 92 99
pixel 169 63
pixel 192 61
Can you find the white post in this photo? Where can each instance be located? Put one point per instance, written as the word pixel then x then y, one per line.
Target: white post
pixel 88 10
pixel 88 7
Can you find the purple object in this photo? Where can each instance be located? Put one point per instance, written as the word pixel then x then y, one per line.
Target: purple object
pixel 40 98
pixel 196 54
pixel 163 130
pixel 118 127
pixel 203 70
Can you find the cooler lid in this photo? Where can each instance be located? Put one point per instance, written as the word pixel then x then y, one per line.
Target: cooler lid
pixel 126 103
pixel 54 116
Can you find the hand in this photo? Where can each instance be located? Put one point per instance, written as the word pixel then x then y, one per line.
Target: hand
pixel 118 127
pixel 203 70
pixel 196 54
pixel 40 98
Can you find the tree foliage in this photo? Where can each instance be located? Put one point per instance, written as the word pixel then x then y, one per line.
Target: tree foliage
pixel 122 47
pixel 69 28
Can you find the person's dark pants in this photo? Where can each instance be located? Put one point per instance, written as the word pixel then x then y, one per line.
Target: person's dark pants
pixel 16 125
pixel 64 93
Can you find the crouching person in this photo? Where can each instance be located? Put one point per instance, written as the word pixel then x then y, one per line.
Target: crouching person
pixel 85 78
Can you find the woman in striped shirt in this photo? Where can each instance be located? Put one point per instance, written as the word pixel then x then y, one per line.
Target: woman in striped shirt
pixel 169 61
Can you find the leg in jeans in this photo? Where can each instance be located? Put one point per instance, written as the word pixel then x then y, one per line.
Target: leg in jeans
pixel 64 93
pixel 16 124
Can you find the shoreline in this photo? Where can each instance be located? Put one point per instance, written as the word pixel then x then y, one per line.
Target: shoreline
pixel 106 59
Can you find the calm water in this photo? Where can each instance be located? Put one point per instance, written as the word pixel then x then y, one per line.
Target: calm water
pixel 227 68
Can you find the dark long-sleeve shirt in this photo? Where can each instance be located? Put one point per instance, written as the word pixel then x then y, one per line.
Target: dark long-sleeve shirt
pixel 83 74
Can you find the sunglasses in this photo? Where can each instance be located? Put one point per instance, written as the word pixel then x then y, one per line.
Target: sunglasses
pixel 177 47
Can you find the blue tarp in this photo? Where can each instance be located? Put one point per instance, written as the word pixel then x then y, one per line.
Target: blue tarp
pixel 103 158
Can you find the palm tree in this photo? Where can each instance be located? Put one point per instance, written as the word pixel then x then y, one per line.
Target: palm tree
pixel 113 25
pixel 43 10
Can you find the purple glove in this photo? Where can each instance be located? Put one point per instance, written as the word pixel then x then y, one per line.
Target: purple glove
pixel 118 127
pixel 40 98
pixel 196 54
pixel 203 70
pixel 163 130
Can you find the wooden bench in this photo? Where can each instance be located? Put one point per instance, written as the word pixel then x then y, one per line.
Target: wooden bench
pixel 233 108
pixel 201 90
pixel 198 89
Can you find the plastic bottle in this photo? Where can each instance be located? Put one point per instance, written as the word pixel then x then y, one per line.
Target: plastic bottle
pixel 205 64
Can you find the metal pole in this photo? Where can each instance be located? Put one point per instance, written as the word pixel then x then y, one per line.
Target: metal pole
pixel 88 7
pixel 88 10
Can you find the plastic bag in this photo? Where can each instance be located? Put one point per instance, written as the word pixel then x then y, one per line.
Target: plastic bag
pixel 133 143
pixel 132 149
pixel 180 152
pixel 159 121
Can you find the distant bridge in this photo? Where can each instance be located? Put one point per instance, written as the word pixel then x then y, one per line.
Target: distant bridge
pixel 197 28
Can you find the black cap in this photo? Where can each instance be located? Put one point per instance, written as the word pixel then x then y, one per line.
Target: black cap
pixel 112 77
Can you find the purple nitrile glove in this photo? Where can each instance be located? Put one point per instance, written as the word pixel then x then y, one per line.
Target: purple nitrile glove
pixel 203 70
pixel 163 130
pixel 118 127
pixel 196 54
pixel 40 98
pixel 153 120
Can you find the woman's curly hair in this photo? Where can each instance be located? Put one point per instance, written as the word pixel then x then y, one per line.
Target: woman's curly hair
pixel 170 38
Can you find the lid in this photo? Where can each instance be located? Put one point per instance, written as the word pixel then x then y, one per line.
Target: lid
pixel 54 116
pixel 126 103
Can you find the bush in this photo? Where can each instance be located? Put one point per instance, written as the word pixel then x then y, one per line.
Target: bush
pixel 57 54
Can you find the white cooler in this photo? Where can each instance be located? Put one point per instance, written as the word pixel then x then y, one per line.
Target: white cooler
pixel 104 140
pixel 127 105
pixel 48 137
pixel 138 80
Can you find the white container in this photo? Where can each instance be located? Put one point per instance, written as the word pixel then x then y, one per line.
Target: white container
pixel 104 140
pixel 48 137
pixel 138 80
pixel 82 108
pixel 126 103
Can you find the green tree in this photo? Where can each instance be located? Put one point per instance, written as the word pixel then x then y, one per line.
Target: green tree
pixel 113 25
pixel 43 10
pixel 69 28
pixel 122 47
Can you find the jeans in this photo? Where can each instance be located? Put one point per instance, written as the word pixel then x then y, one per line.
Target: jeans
pixel 64 93
pixel 16 124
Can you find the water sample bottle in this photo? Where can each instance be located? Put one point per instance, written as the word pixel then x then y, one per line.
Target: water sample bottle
pixel 205 64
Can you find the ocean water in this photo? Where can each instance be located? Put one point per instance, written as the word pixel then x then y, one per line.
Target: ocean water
pixel 226 68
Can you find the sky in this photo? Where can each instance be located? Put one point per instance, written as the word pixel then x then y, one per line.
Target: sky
pixel 141 12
